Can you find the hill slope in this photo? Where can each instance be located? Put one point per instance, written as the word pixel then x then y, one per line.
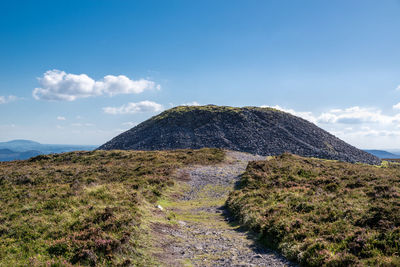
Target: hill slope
pixel 26 145
pixel 263 131
pixel 8 155
pixel 382 154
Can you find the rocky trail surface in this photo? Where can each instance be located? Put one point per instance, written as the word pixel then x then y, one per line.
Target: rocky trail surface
pixel 199 231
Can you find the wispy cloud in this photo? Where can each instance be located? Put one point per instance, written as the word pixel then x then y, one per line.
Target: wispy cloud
pixel 357 115
pixel 61 118
pixel 8 126
pixel 132 108
pixel 302 114
pixel 61 86
pixel 82 124
pixel 351 115
pixel 360 126
pixel 7 99
pixel 397 106
pixel 194 103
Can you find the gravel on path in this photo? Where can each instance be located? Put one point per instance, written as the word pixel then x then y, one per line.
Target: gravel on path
pixel 204 233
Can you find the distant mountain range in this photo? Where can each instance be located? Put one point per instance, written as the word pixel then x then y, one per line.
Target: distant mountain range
pixel 25 149
pixel 8 155
pixel 382 154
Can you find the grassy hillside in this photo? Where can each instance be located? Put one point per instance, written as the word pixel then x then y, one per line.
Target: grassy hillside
pixel 323 213
pixel 85 208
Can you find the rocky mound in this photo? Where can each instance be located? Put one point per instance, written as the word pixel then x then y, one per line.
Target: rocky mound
pixel 262 131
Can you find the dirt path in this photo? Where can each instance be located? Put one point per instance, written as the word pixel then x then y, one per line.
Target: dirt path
pixel 199 231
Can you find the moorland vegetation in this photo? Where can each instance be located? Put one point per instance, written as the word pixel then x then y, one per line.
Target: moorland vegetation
pixel 323 212
pixel 85 208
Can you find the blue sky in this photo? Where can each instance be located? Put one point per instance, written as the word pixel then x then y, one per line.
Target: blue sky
pixel 80 72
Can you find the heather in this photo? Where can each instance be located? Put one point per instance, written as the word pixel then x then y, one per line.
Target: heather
pixel 85 208
pixel 322 212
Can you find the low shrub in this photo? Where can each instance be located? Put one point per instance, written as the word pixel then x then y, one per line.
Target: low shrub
pixel 321 212
pixel 85 208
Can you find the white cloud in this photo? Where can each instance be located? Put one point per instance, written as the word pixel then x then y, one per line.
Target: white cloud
pixel 305 114
pixel 363 127
pixel 397 106
pixel 194 103
pixel 114 85
pixel 357 115
pixel 62 86
pixel 82 124
pixel 61 118
pixel 7 99
pixel 351 115
pixel 131 108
